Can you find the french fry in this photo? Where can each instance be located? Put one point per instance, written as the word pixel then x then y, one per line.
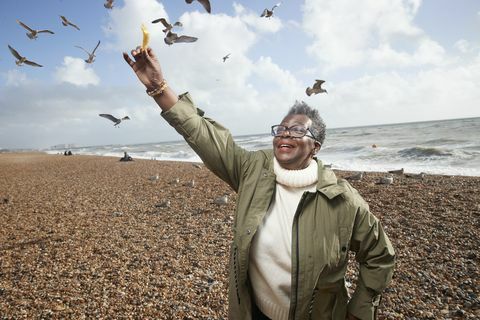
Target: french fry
pixel 146 37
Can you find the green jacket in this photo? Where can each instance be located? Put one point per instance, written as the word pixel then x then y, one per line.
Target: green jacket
pixel 327 224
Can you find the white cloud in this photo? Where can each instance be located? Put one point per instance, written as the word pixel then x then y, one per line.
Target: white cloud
pixel 16 78
pixel 464 46
pixel 77 72
pixel 349 34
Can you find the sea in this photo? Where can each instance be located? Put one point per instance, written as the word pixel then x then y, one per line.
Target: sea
pixel 447 147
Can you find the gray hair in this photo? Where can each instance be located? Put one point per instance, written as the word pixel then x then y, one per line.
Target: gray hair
pixel 318 126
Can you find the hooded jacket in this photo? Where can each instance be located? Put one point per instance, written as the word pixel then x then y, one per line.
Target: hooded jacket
pixel 327 224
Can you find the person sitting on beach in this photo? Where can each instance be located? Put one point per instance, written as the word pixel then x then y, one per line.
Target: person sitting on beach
pixel 126 157
pixel 295 222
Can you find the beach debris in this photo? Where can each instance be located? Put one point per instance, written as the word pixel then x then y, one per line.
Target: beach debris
pixel 21 60
pixel 172 38
pixel 5 200
pixel 33 34
pixel 117 213
pixel 205 4
pixel 154 178
pixel 146 37
pixel 356 176
pixel 420 175
pixel 317 88
pixel 108 4
pixel 168 26
pixel 163 204
pixel 91 56
pixel 221 200
pixel 66 23
pixel 398 171
pixel 226 57
pixel 114 119
pixel 269 13
pixel 385 180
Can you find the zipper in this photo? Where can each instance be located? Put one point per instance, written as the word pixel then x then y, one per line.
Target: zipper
pixel 235 272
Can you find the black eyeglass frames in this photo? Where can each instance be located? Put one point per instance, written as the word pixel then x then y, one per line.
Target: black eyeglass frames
pixel 297 131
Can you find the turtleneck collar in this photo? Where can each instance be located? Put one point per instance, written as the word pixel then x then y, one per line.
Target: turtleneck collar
pixel 296 178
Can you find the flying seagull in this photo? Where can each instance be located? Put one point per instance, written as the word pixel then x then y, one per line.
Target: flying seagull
pixel 91 56
pixel 205 4
pixel 172 38
pixel 21 60
pixel 33 34
pixel 226 57
pixel 112 118
pixel 66 23
pixel 317 88
pixel 268 13
pixel 168 26
pixel 108 4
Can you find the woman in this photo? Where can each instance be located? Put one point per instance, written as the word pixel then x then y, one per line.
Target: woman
pixel 294 221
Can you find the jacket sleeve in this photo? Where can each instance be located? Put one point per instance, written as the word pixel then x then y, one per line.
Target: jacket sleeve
pixel 212 142
pixel 376 259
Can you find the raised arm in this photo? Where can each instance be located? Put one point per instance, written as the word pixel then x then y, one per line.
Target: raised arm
pixel 147 68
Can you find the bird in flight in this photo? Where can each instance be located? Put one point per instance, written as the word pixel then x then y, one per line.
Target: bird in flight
pixel 91 56
pixel 33 34
pixel 21 60
pixel 66 23
pixel 205 4
pixel 268 13
pixel 317 88
pixel 116 121
pixel 172 38
pixel 167 25
pixel 108 4
pixel 226 57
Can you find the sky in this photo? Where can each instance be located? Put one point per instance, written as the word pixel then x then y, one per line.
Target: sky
pixel 383 61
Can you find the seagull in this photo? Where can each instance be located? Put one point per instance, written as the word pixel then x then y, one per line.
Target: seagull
pixel 112 118
pixel 108 4
pixel 66 23
pixel 317 88
pixel 268 13
pixel 91 56
pixel 226 57
pixel 385 180
pixel 356 177
pixel 420 175
pixel 205 4
pixel 172 38
pixel 163 204
pixel 33 34
pixel 399 171
pixel 168 26
pixel 21 60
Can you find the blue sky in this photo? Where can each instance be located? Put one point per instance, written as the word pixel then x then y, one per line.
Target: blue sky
pixel 384 61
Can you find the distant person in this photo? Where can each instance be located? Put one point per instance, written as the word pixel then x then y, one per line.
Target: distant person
pixel 126 157
pixel 294 222
pixel 69 152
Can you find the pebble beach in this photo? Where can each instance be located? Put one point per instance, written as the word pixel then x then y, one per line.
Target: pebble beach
pixel 89 237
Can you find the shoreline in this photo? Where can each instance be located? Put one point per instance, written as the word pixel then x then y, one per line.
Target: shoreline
pixel 89 236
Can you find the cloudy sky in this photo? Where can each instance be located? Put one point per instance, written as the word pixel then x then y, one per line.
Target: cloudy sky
pixel 384 61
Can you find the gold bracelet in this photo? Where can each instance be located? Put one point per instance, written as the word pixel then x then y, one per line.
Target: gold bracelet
pixel 159 90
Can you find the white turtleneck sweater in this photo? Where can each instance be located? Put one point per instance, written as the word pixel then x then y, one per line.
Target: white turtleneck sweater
pixel 271 251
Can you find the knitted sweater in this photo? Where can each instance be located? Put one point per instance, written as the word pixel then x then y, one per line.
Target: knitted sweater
pixel 270 254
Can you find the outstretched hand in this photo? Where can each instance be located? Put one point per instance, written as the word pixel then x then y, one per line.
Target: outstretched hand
pixel 146 67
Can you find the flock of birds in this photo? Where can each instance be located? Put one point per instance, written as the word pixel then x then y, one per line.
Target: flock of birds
pixel 388 179
pixel 171 37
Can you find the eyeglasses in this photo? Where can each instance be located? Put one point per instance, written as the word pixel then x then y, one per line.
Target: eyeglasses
pixel 293 131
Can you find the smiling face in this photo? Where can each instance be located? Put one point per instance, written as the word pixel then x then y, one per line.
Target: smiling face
pixel 295 153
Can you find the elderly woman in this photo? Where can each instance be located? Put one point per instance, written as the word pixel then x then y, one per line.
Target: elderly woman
pixel 294 222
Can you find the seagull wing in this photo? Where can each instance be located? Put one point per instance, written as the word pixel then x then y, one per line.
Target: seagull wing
pixel 46 31
pixel 109 117
pixel 31 63
pixel 206 5
pixel 178 24
pixel 188 1
pixel 25 26
pixel 126 118
pixel 83 49
pixel 96 47
pixel 186 39
pixel 318 84
pixel 15 53
pixel 74 25
pixel 64 19
pixel 264 13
